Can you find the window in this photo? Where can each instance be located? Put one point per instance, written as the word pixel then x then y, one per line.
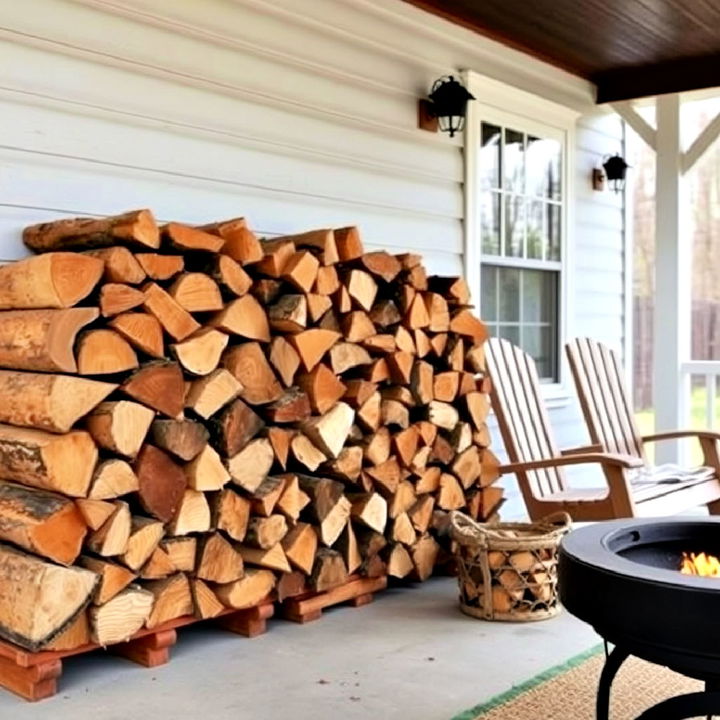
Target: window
pixel 521 199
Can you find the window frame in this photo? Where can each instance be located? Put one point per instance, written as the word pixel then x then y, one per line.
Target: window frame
pixel 511 107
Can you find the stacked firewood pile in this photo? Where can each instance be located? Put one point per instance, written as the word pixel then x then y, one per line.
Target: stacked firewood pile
pixel 190 415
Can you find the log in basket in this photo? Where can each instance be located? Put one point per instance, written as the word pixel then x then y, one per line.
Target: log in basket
pixel 508 571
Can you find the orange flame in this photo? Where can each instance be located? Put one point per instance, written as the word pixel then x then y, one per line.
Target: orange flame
pixel 700 564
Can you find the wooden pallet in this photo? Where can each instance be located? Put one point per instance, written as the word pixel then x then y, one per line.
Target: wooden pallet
pixel 308 606
pixel 34 675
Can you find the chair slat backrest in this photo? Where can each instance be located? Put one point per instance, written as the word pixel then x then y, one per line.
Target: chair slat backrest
pixel 603 396
pixel 518 405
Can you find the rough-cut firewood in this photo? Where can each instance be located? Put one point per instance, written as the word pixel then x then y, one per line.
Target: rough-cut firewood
pixel 176 321
pixel 348 463
pixel 318 305
pixel 141 330
pixel 424 554
pixel 402 500
pixel 362 289
pixel 104 352
pixel 234 427
pixel 247 592
pixel 273 558
pixel 113 577
pixel 231 513
pixel 399 562
pixel 381 264
pixel 451 495
pixel 280 439
pixel 267 291
pixel 208 394
pixel 394 413
pixel 136 228
pixel 292 499
pixel 41 339
pixel 159 566
pixel 112 537
pixel 196 292
pixel 64 463
pixel 94 512
pixel 217 560
pixel 160 267
pixel 249 366
pixel 116 298
pixel 369 413
pixel 370 509
pixel 200 353
pixel 205 601
pixel 39 599
pixel 265 532
pixel 120 618
pixel 120 426
pixel 420 513
pixel 245 317
pixel 206 471
pixel 322 241
pixel 346 355
pixel 329 570
pixel 386 476
pixel 145 536
pixel 289 313
pixel 183 238
pixel 251 465
pixel 241 244
pixel 161 483
pixel 348 243
pixel 306 453
pixel 402 529
pixel 266 497
pixel 301 270
pixel 183 438
pixel 329 508
pixel 121 265
pixel 443 415
pixel 300 546
pixel 158 385
pixel 181 551
pixel 173 599
pixel 112 478
pixel 329 432
pixel 192 515
pixel 229 275
pixel 284 359
pixel 323 388
pixel 467 466
pixel 48 402
pixel 312 344
pixel 465 323
pixel 55 280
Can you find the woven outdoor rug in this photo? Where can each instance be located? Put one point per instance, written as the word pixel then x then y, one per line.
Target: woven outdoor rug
pixel 567 692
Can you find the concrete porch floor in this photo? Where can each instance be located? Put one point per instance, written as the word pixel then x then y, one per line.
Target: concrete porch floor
pixel 409 655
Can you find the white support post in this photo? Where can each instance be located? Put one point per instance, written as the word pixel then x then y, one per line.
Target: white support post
pixel 671 391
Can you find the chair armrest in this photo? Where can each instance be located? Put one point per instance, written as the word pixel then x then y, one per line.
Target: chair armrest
pixel 675 434
pixel 585 449
pixel 625 462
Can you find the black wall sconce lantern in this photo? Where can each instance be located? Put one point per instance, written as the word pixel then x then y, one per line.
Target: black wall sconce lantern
pixel 446 106
pixel 615 170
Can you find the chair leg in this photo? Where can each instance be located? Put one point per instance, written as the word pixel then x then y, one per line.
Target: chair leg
pixel 714 507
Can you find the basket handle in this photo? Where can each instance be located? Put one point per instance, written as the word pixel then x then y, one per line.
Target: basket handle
pixel 559 518
pixel 465 530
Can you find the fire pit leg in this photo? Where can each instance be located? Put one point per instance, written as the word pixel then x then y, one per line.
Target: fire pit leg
pixel 614 660
pixel 685 706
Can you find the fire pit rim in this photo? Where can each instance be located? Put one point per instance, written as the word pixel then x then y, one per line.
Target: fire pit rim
pixel 590 545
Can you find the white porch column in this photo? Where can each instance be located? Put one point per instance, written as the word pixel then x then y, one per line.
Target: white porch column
pixel 673 257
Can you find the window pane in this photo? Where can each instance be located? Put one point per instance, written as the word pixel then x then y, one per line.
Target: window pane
pixel 514 161
pixel 536 239
pixel 514 225
pixel 509 332
pixel 509 286
pixel 539 296
pixel 543 167
pixel 539 343
pixel 489 156
pixel 488 293
pixel 490 223
pixel 553 232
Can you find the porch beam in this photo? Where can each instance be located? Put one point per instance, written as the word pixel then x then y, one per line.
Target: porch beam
pixel 701 144
pixel 671 387
pixel 637 122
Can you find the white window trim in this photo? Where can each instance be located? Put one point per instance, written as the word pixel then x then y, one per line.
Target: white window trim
pixel 496 100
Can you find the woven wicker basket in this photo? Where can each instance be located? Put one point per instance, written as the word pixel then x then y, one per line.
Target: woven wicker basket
pixel 508 571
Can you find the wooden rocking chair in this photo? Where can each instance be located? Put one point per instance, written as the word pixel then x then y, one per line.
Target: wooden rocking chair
pixel 606 406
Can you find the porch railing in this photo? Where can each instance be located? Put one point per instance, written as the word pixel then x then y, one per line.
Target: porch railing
pixel 710 371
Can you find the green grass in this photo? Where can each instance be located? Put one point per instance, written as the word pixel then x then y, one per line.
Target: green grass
pixel 646 422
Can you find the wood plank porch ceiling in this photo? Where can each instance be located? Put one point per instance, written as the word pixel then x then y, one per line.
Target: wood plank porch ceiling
pixel 627 48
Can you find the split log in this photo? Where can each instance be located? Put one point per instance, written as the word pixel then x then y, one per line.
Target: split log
pixel 112 538
pixel 41 522
pixel 402 530
pixel 284 358
pixel 424 555
pixel 249 366
pixel 55 280
pixel 145 536
pixel 244 317
pixel 172 599
pixel 265 532
pixel 300 546
pixel 160 267
pixel 182 438
pixel 94 512
pixel 348 243
pixel 241 244
pixel 120 618
pixel 403 499
pixel 113 577
pixel 200 353
pixel 159 566
pixel 381 264
pixel 318 305
pixel 183 238
pixel 192 515
pixel 231 513
pixel 206 471
pixel 38 600
pixel 377 447
pixel 233 428
pixel 251 465
pixel 292 499
pixel 399 562
pixel 104 352
pixel 116 298
pixel 420 513
pixel 158 385
pixel 370 509
pixel 208 394
pixel 178 323
pixel 443 415
pixel 293 406
pixel 312 344
pixel 181 551
pixel 273 558
pixel 306 453
pixel 323 388
pixel 120 426
pixel 346 355
pixel 321 240
pixel 289 313
pixel 266 497
pixel 465 323
pixel 196 292
pixel 121 266
pixel 247 592
pixel 327 281
pixel 229 275
pixel 329 508
pixel 161 483
pixel 64 463
pixel 142 331
pixel 362 289
pixel 113 478
pixel 280 439
pixel 329 432
pixel 329 570
pixel 42 340
pixel 48 402
pixel 348 464
pixel 451 495
pixel 218 561
pixel 136 228
pixel 347 546
pixel 205 601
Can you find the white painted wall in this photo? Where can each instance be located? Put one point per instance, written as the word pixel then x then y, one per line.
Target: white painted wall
pixel 294 113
